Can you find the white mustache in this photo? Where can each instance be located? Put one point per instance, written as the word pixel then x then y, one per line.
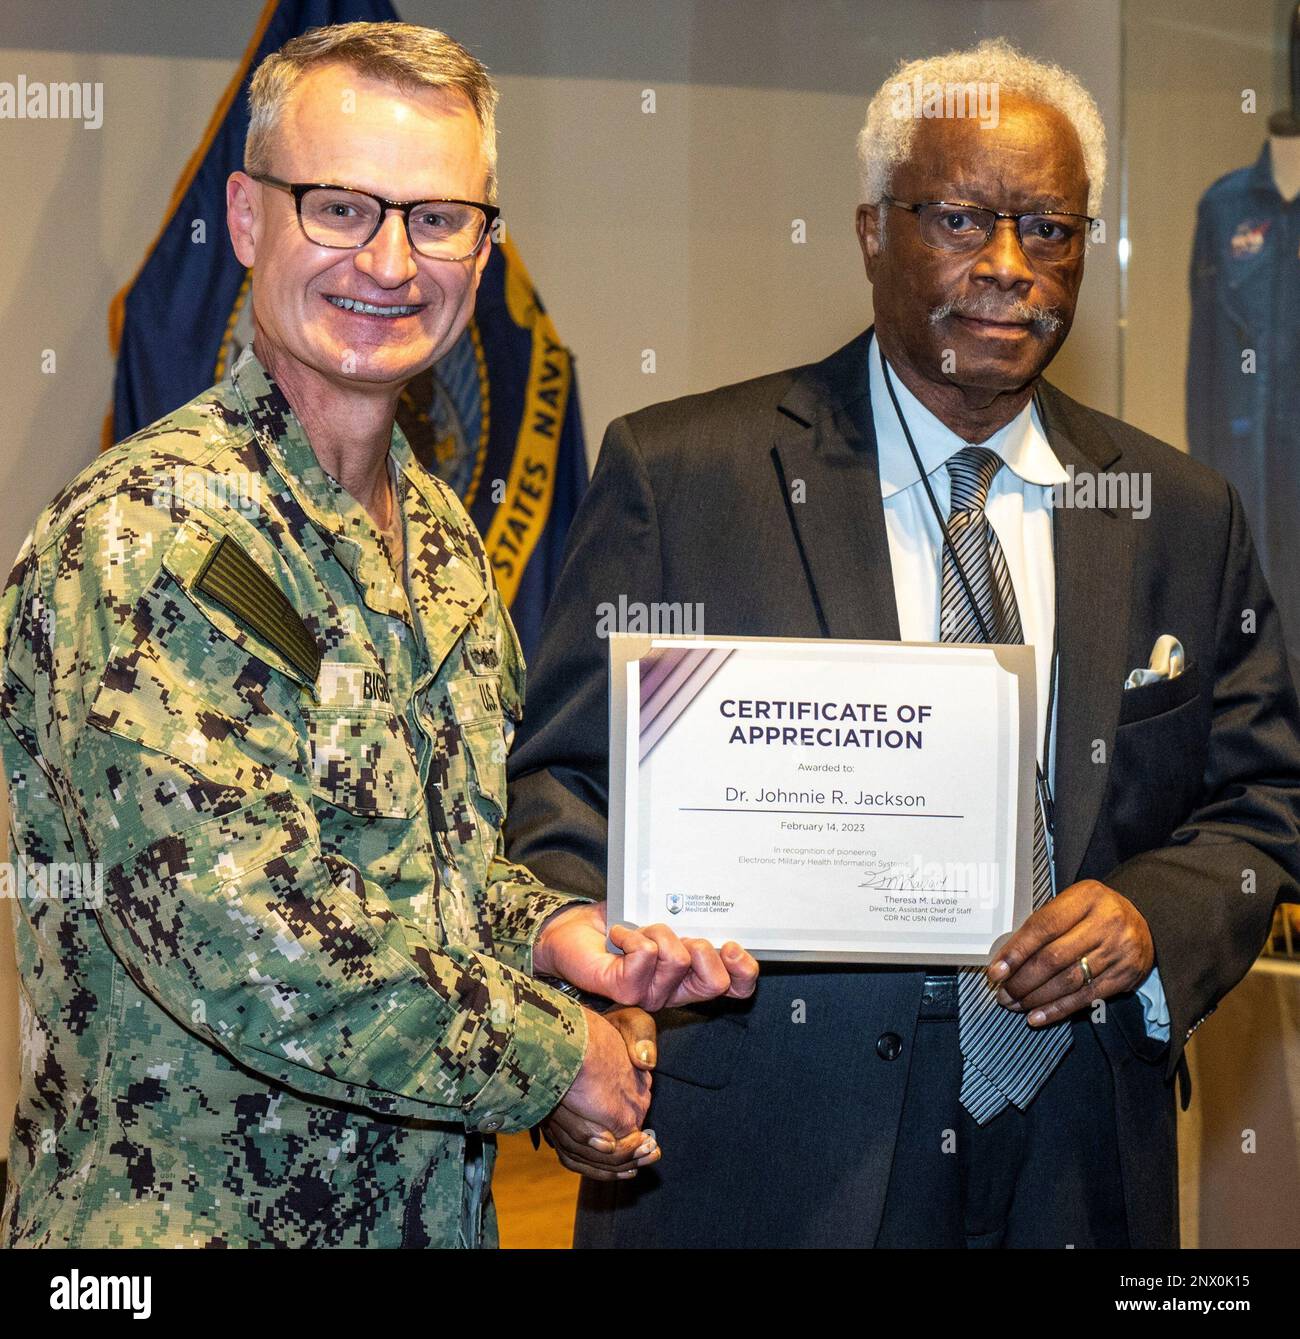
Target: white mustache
pixel 990 308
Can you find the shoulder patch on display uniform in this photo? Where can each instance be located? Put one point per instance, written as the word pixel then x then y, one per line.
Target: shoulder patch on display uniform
pixel 234 580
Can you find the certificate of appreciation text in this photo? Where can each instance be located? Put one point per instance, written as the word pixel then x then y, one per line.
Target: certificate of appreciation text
pixel 823 800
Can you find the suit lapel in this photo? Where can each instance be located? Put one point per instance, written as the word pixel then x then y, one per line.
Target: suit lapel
pixel 826 442
pixel 1094 551
pixel 826 467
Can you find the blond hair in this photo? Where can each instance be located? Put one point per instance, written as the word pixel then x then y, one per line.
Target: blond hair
pixel 403 54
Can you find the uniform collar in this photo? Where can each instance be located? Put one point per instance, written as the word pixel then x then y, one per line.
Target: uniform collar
pixel 1022 443
pixel 277 428
pixel 436 529
pixel 281 433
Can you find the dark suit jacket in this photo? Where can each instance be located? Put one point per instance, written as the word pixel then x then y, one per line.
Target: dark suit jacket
pixel 1183 794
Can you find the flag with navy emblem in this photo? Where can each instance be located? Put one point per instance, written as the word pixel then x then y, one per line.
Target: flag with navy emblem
pixel 498 419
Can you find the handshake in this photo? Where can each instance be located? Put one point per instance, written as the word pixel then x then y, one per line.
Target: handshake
pixel 597 1128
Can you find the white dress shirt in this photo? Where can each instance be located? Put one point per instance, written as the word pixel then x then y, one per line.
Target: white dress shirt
pixel 1020 510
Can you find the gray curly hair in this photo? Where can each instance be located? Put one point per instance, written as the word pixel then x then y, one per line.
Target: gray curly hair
pixel 886 139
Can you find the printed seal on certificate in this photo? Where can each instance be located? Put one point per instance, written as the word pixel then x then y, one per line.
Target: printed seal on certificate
pixel 819 800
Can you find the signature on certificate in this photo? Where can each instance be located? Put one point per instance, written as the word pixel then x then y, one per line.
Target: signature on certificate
pixel 899 879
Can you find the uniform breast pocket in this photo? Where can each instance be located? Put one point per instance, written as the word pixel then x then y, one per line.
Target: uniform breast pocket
pixel 476 702
pixel 360 761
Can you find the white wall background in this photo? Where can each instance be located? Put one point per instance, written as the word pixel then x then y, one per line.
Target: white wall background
pixel 669 231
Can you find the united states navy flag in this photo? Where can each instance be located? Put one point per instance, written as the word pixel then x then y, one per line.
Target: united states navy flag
pixel 497 417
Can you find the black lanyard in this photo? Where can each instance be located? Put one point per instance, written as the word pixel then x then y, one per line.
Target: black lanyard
pixel 1049 807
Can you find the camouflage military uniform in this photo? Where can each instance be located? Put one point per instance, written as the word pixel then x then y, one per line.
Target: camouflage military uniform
pixel 304 999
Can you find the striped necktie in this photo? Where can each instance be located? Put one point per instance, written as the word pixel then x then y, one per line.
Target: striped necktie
pixel 1004 1060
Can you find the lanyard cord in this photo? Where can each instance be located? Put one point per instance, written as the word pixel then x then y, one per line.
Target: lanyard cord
pixel 1049 807
pixel 938 514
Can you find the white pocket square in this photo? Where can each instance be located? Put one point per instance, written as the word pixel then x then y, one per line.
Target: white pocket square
pixel 1166 663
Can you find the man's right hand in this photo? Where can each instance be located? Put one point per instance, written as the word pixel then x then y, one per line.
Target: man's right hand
pixel 596 1130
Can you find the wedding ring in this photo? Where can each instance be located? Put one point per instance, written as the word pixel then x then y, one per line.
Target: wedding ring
pixel 1087 975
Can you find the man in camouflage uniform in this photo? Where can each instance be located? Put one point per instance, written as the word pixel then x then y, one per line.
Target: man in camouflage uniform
pixel 297 995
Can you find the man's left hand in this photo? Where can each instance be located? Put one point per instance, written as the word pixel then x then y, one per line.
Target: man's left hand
pixel 1038 970
pixel 654 969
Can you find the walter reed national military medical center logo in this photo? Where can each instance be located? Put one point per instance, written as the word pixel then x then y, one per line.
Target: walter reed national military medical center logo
pixel 709 904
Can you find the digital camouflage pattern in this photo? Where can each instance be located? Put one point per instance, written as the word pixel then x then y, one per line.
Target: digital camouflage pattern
pixel 303 1000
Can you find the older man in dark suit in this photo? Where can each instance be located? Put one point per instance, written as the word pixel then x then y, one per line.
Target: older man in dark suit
pixel 1031 1104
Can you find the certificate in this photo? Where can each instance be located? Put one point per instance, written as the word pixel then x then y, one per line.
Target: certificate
pixel 823 800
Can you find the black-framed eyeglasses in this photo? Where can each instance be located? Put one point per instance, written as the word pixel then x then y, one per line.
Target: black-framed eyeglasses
pixel 948 225
pixel 338 216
